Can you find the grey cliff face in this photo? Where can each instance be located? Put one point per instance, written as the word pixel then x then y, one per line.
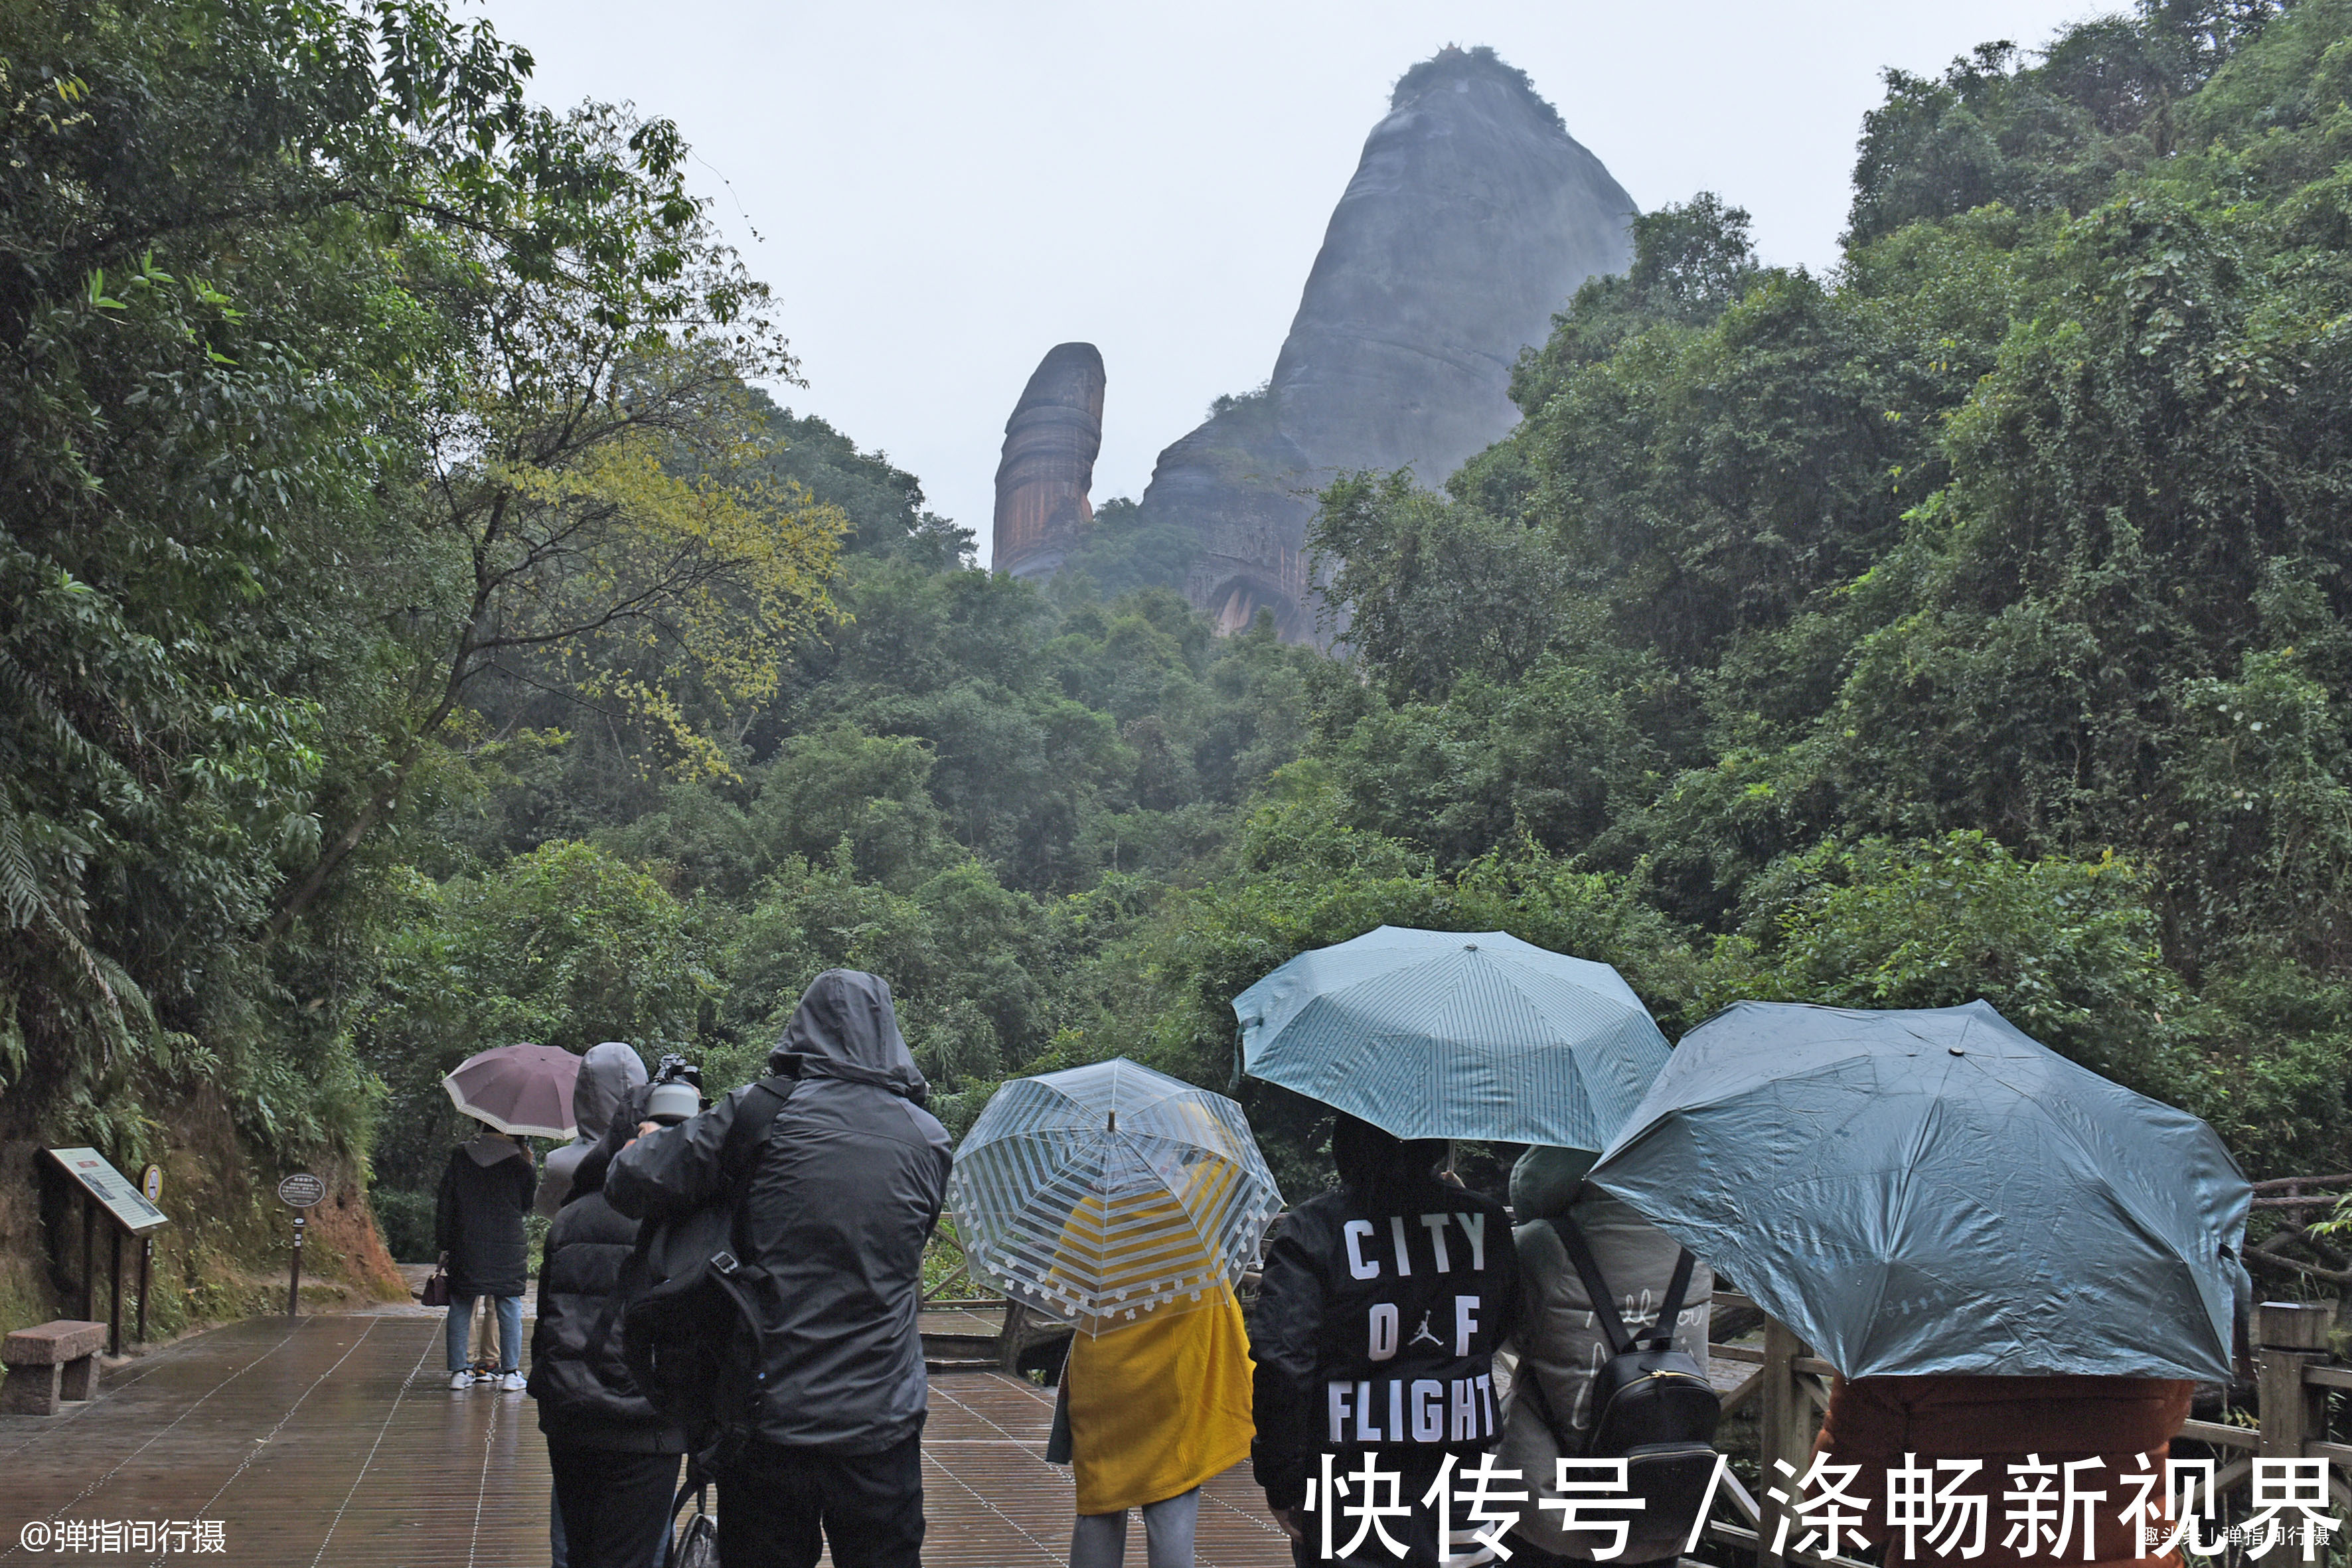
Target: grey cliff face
pixel 1472 218
pixel 1050 443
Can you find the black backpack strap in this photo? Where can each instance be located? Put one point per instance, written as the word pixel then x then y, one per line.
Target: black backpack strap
pixel 749 1128
pixel 1596 1288
pixel 753 1117
pixel 1662 1331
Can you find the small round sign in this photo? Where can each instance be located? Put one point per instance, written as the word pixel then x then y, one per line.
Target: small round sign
pixel 150 1182
pixel 301 1190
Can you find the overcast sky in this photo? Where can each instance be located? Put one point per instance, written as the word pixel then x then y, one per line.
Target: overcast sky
pixel 940 191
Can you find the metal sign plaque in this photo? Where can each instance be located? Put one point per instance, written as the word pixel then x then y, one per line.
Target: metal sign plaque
pixel 301 1190
pixel 112 1189
pixel 150 1182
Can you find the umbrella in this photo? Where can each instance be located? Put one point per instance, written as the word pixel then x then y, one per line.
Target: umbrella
pixel 1103 1191
pixel 524 1089
pixel 1456 1035
pixel 1935 1192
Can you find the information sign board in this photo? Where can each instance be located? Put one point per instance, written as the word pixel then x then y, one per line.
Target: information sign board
pixel 301 1190
pixel 112 1189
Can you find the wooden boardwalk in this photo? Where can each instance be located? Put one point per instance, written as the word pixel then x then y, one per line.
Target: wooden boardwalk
pixel 333 1442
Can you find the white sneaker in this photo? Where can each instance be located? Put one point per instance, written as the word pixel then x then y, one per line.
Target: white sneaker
pixel 461 1380
pixel 511 1383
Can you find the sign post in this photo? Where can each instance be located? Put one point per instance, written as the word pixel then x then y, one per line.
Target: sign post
pixel 298 1191
pixel 150 1186
pixel 129 1212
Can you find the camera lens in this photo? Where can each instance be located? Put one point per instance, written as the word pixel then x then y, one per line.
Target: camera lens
pixel 673 1102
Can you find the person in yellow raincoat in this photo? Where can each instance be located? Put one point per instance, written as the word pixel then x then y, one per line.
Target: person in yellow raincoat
pixel 1154 1408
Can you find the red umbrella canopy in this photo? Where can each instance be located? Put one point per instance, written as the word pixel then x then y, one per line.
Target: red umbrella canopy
pixel 523 1089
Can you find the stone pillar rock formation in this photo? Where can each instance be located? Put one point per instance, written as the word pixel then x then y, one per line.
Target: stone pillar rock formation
pixel 1472 218
pixel 1050 443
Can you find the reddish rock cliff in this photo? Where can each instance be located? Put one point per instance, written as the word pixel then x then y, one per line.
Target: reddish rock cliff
pixel 1050 443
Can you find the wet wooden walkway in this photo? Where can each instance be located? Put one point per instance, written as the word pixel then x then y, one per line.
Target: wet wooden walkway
pixel 334 1442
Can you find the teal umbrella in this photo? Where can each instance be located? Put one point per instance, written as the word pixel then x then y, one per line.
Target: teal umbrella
pixel 1934 1191
pixel 1434 1034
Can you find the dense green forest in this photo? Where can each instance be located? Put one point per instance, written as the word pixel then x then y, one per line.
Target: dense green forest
pixel 420 633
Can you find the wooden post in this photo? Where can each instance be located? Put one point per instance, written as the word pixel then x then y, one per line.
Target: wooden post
pixel 146 1258
pixel 1781 1433
pixel 2288 1337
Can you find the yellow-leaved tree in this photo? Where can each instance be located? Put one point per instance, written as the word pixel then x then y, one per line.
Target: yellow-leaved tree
pixel 583 487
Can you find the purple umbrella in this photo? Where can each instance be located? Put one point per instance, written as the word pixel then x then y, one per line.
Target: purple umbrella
pixel 523 1089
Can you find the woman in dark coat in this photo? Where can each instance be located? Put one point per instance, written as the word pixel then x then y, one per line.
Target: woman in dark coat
pixel 486 1190
pixel 613 1456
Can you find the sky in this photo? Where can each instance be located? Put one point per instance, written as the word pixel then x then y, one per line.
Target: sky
pixel 940 191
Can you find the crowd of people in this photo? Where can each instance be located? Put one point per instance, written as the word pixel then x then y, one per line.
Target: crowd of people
pixel 1398 1316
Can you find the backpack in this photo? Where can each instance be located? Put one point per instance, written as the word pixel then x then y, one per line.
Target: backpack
pixel 688 1307
pixel 1652 1407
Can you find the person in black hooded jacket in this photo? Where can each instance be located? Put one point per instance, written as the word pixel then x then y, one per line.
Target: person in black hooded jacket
pixel 614 1457
pixel 486 1189
pixel 836 1207
pixel 1377 1320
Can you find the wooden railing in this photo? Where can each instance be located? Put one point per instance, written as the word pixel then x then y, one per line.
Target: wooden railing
pixel 1790 1389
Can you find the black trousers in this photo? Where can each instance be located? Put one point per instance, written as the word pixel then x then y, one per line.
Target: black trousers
pixel 616 1505
pixel 773 1500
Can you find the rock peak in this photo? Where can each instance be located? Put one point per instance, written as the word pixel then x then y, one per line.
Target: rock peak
pixel 1048 466
pixel 1472 218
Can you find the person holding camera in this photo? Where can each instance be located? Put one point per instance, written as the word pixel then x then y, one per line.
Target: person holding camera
pixel 833 1205
pixel 614 1458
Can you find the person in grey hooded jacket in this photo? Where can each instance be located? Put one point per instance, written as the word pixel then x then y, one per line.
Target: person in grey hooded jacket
pixel 1561 1348
pixel 835 1206
pixel 607 1073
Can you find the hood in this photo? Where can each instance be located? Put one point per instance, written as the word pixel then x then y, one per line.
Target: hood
pixel 845 1028
pixel 607 1073
pixel 1368 1159
pixel 1545 1181
pixel 488 1148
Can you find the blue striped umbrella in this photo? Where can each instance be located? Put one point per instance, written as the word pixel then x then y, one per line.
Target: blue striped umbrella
pixel 1432 1034
pixel 1104 1192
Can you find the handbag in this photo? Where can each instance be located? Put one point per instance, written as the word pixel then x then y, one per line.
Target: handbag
pixel 696 1544
pixel 436 1289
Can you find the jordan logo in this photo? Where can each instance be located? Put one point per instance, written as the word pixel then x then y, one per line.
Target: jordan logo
pixel 1423 1333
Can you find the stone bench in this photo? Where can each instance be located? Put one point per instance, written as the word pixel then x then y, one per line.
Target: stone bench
pixel 57 1359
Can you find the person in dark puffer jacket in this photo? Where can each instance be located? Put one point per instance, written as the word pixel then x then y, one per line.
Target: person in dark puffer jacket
pixel 614 1457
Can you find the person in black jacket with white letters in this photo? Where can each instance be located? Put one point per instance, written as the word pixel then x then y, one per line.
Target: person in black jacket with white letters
pixel 1375 1329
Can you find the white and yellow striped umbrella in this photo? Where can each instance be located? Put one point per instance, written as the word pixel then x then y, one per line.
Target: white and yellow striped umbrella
pixel 1105 1192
